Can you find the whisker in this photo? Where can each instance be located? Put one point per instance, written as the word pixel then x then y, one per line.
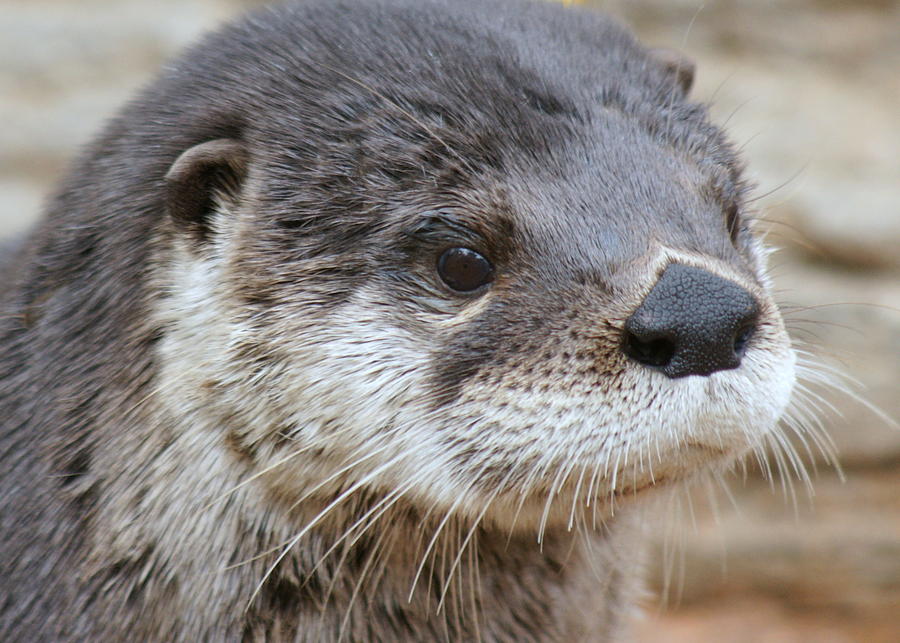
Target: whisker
pixel 258 475
pixel 312 523
pixel 468 537
pixel 575 495
pixel 558 480
pixel 446 518
pixel 370 560
pixel 475 587
pixel 370 517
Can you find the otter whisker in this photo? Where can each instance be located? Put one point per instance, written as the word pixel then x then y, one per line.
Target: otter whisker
pixel 777 449
pixel 613 483
pixel 318 517
pixel 650 453
pixel 259 474
pixel 339 473
pixel 726 489
pixel 558 480
pixel 371 517
pixel 794 459
pixel 475 524
pixel 476 604
pixel 689 498
pixel 431 543
pixel 762 461
pixel 456 603
pixel 637 467
pixel 575 497
pixel 370 560
pixel 309 493
pixel 804 436
pixel 677 71
pixel 674 547
pixel 366 521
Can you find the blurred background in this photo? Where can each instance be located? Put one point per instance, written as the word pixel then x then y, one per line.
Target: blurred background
pixel 810 91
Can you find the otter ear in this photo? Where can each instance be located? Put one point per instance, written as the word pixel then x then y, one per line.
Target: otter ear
pixel 678 66
pixel 199 178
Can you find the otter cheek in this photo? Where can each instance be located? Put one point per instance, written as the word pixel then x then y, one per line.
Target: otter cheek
pixel 743 406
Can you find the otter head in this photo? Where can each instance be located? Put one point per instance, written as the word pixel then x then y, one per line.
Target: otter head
pixel 510 281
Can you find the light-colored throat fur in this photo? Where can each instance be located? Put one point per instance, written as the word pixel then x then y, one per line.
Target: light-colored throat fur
pixel 214 545
pixel 346 557
pixel 311 489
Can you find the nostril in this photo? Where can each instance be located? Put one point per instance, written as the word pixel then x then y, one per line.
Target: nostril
pixel 652 352
pixel 692 322
pixel 742 338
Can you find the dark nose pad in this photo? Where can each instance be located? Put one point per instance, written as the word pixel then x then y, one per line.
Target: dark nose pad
pixel 691 323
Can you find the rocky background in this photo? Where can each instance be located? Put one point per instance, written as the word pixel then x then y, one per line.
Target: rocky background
pixel 810 90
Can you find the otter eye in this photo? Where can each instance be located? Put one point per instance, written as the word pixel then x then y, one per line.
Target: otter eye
pixel 464 270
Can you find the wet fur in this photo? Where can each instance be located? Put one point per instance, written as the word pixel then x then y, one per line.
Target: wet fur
pixel 275 424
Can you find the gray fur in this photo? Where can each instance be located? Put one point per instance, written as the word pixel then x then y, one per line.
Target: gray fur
pixel 377 133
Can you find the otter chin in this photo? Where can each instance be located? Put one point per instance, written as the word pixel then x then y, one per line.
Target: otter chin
pixel 379 320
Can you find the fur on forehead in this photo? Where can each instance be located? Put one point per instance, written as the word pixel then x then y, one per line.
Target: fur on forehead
pixel 358 120
pixel 390 86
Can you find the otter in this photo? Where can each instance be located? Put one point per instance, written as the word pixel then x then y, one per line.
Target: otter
pixel 379 321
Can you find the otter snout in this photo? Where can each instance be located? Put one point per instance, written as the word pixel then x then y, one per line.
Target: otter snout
pixel 692 322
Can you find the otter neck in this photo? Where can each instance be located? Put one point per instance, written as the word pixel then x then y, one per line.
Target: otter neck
pixel 444 580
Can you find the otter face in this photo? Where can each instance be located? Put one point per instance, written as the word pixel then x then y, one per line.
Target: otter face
pixel 513 293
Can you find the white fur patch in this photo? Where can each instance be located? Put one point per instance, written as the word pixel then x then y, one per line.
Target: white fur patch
pixel 350 391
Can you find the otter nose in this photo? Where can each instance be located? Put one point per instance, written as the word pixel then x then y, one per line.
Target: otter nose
pixel 692 322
